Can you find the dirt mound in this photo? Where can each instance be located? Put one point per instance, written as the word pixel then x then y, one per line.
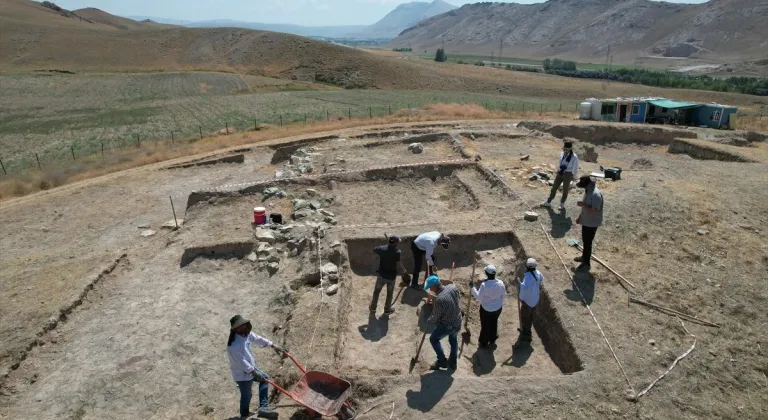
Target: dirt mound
pixel 600 134
pixel 699 149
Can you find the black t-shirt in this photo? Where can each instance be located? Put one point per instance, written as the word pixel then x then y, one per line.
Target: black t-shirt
pixel 388 259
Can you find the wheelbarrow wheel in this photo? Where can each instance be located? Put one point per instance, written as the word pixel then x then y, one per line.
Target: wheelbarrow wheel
pixel 346 413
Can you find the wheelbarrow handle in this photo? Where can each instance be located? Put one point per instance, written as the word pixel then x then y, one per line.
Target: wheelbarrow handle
pixel 296 362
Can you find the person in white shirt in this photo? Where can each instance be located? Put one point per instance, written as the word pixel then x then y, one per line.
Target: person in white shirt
pixel 490 293
pixel 567 169
pixel 424 247
pixel 530 290
pixel 243 366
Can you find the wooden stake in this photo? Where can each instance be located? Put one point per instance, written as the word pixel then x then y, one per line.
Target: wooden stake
pixel 672 311
pixel 281 120
pixel 102 148
pixel 173 140
pixel 175 221
pixel 138 140
pixel 226 124
pixel 72 149
pixel 201 131
pixel 38 161
pixel 3 166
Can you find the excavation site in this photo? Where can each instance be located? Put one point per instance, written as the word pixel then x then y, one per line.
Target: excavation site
pixel 134 319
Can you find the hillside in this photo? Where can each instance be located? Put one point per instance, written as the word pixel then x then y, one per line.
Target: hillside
pixel 405 16
pixel 102 17
pixel 321 31
pixel 585 29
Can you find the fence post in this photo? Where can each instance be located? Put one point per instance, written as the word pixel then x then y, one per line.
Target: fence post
pixel 138 140
pixel 390 110
pixel 281 120
pixel 226 124
pixel 561 107
pixel 102 147
pixel 370 112
pixel 173 140
pixel 541 109
pixel 3 166
pixel 505 107
pixel 38 161
pixel 72 149
pixel 201 131
pixel 350 113
pixel 305 118
pixel 328 115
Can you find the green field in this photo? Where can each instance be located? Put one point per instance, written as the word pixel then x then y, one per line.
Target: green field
pixel 472 58
pixel 50 114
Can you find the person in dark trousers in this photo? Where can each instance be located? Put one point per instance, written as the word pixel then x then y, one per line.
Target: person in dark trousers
pixel 490 293
pixel 568 168
pixel 446 315
pixel 530 290
pixel 424 247
pixel 389 259
pixel 590 219
pixel 243 366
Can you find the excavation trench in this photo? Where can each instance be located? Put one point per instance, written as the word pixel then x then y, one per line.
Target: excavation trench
pixel 381 345
pixel 599 135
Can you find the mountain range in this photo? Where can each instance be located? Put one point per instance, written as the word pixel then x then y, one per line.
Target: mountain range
pixel 593 30
pixel 401 18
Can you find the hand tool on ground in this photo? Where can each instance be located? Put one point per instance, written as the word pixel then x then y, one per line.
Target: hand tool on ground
pixel 466 335
pixel 320 392
pixel 415 359
pixel 576 243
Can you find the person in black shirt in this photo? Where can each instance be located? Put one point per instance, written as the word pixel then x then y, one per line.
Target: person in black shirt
pixel 389 258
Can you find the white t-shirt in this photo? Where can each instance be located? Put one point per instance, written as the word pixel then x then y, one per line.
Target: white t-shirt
pixel 427 242
pixel 241 360
pixel 490 294
pixel 530 288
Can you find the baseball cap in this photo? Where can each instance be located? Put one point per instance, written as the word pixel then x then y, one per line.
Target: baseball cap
pixel 431 282
pixel 584 181
pixel 490 269
pixel 531 263
pixel 394 239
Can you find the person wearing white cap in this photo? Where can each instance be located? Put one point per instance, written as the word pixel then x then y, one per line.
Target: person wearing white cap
pixel 530 290
pixel 490 293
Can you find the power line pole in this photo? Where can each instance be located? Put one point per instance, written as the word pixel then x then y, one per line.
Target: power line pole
pixel 492 52
pixel 501 48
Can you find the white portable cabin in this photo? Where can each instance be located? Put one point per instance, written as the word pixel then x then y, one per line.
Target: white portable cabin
pixel 585 110
pixel 597 106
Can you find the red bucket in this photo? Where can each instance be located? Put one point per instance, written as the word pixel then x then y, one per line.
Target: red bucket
pixel 259 215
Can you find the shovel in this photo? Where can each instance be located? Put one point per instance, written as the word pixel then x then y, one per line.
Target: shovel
pixel 466 335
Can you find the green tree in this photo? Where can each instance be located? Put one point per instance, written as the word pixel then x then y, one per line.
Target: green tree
pixel 440 56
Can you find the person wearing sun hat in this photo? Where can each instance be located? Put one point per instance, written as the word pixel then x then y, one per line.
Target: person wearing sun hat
pixel 243 366
pixel 490 293
pixel 530 290
pixel 567 169
pixel 446 315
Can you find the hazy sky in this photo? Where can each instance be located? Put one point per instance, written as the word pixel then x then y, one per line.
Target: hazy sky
pixel 300 12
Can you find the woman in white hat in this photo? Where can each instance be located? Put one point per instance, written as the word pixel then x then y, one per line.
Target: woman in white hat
pixel 243 366
pixel 490 293
pixel 530 290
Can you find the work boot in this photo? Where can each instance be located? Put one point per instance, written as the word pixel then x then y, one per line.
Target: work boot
pixel 389 311
pixel 452 365
pixel 546 204
pixel 561 207
pixel 583 267
pixel 372 309
pixel 578 259
pixel 267 413
pixel 439 365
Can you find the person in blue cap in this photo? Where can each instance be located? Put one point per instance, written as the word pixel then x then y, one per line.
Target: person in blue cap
pixel 446 315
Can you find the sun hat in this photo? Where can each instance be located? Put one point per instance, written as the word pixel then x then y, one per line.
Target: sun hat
pixel 531 263
pixel 237 321
pixel 490 269
pixel 431 282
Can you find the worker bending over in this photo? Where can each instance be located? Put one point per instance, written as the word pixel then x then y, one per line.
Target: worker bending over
pixel 424 247
pixel 490 293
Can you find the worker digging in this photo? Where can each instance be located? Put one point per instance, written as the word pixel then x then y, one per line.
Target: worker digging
pixel 244 369
pixel 389 259
pixel 490 293
pixel 590 219
pixel 568 168
pixel 424 247
pixel 446 316
pixel 530 290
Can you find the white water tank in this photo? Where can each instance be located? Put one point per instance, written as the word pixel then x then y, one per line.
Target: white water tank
pixel 585 111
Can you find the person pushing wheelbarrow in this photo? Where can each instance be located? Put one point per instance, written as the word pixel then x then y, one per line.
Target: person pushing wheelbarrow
pixel 244 369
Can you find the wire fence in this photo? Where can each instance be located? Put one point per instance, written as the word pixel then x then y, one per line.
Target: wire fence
pixel 95 147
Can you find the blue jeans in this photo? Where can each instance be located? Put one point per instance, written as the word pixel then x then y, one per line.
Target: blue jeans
pixel 246 392
pixel 440 332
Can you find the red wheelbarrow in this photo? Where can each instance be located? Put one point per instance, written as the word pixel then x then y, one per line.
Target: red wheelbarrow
pixel 321 393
